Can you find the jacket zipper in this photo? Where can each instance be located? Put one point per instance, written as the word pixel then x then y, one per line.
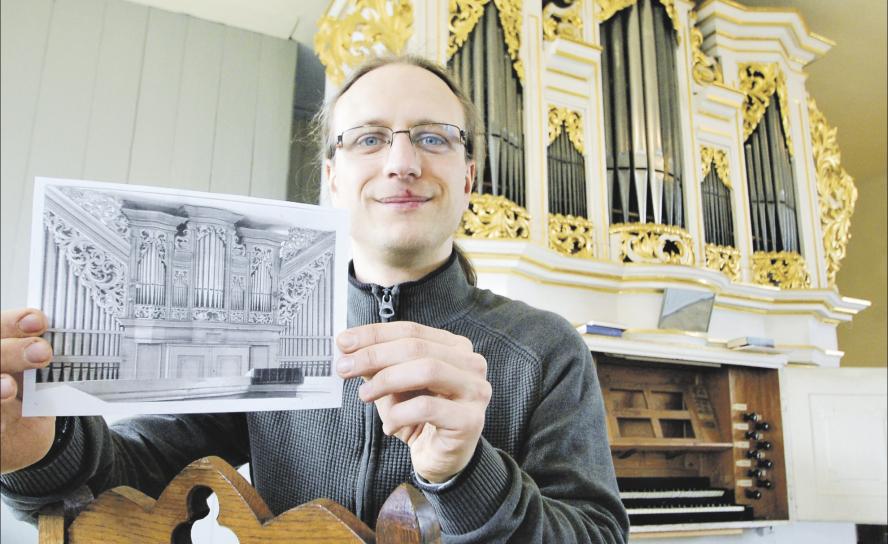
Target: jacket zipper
pixel 387 300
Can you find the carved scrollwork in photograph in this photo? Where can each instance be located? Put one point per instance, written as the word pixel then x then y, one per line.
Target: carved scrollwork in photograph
pixel 836 193
pixel 359 30
pixel 236 316
pixel 153 240
pixel 294 290
pixel 104 207
pixel 261 318
pixel 178 314
pixel 563 117
pixel 490 216
pixel 102 274
pixel 207 314
pixel 561 22
pixel 760 81
pixel 183 240
pixel 149 311
pixel 724 259
pixel 297 240
pixel 238 249
pixel 260 258
pixel 219 232
pixel 651 243
pixel 783 269
pixel 571 235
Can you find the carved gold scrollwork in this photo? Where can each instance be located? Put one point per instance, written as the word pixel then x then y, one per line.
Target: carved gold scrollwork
pixel 571 235
pixel 464 15
pixel 724 259
pixel 607 9
pixel 651 243
pixel 346 40
pixel 784 269
pixel 706 70
pixel 708 156
pixel 559 117
pixel 836 192
pixel 760 81
pixel 492 216
pixel 562 22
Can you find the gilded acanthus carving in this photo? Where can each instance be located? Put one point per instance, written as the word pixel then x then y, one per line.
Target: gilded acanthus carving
pixel 651 243
pixel 607 9
pixel 708 156
pixel 492 216
pixel 102 206
pixel 570 235
pixel 295 289
pixel 724 259
pixel 562 117
pixel 784 269
pixel 760 81
pixel 465 14
pixel 102 274
pixel 836 193
pixel 345 41
pixel 563 22
pixel 706 70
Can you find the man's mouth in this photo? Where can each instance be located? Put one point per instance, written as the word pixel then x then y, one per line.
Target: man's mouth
pixel 403 199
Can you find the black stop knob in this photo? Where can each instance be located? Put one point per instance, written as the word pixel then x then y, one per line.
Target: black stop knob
pixel 755 454
pixel 754 494
pixel 754 435
pixel 765 463
pixel 763 445
pixel 763 425
pixel 764 483
pixel 756 473
pixel 752 416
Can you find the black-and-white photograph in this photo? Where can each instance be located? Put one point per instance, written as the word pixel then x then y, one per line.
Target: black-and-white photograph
pixel 168 301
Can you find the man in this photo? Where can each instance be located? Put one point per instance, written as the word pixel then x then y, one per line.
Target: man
pixel 490 407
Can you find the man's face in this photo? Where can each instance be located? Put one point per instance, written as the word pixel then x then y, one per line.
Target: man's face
pixel 404 203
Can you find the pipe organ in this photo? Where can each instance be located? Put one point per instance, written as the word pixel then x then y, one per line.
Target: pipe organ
pixel 140 290
pixel 683 151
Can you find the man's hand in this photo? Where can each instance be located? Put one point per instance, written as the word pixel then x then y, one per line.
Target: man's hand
pixel 23 441
pixel 429 386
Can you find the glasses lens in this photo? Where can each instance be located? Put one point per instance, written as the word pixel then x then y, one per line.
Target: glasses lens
pixel 366 140
pixel 435 138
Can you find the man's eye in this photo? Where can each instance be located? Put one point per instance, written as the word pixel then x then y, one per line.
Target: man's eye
pixel 369 140
pixel 431 140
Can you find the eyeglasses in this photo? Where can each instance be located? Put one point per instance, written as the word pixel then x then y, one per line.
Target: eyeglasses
pixel 430 138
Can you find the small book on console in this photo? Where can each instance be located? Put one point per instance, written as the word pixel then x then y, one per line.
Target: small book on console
pixel 602 328
pixel 750 341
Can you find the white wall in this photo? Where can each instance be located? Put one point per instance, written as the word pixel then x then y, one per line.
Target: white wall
pixel 112 91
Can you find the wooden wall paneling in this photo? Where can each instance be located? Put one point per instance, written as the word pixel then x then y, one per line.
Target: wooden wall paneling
pixel 235 121
pixel 24 29
pixel 274 116
pixel 192 162
pixel 118 75
pixel 157 107
pixel 61 121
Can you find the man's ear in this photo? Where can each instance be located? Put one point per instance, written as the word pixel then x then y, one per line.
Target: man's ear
pixel 470 178
pixel 330 175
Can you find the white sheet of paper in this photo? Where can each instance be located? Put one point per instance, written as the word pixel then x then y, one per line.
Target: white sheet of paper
pixel 172 301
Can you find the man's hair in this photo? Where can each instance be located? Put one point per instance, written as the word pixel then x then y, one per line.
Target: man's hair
pixel 323 120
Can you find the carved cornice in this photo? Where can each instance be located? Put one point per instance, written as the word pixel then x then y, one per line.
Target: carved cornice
pixel 570 235
pixel 465 14
pixel 836 192
pixel 348 39
pixel 651 243
pixel 563 117
pixel 710 155
pixel 724 259
pixel 607 9
pixel 759 81
pixel 295 289
pixel 494 217
pixel 784 269
pixel 705 69
pixel 563 22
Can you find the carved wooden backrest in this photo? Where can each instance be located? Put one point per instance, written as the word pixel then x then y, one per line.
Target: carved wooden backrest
pixel 125 515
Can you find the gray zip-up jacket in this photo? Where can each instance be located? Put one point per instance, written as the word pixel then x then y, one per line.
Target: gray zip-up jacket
pixel 542 471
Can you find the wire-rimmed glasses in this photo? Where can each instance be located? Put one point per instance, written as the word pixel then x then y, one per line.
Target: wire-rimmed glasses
pixel 429 138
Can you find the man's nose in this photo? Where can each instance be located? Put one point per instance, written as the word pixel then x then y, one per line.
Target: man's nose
pixel 403 159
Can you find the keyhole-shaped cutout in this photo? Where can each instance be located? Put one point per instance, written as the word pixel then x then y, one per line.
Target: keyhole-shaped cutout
pixel 203 525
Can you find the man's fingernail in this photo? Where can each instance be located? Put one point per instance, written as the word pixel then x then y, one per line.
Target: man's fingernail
pixel 345 365
pixel 30 323
pixel 38 352
pixel 7 388
pixel 347 340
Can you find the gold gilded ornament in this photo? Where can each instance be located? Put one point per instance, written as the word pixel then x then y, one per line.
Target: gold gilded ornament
pixel 705 69
pixel 652 243
pixel 760 81
pixel 571 235
pixel 836 192
pixel 724 259
pixel 347 40
pixel 562 117
pixel 562 22
pixel 708 156
pixel 494 217
pixel 783 269
pixel 607 9
pixel 465 14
